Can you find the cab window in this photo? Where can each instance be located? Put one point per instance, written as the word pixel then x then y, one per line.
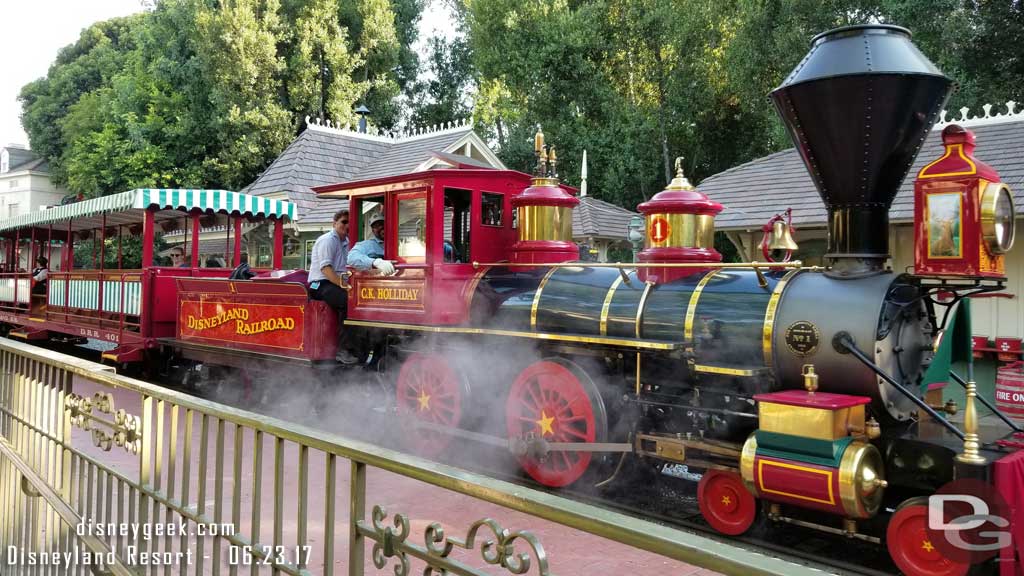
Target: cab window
pixel 412 229
pixel 456 225
pixel 368 208
pixel 491 208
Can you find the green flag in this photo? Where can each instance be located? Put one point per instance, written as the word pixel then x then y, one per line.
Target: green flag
pixel 954 347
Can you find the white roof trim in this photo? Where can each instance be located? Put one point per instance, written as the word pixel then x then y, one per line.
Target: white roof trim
pixel 376 135
pixel 988 118
pixel 452 149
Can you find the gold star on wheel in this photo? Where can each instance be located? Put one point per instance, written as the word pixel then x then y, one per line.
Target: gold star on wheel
pixel 545 424
pixel 926 545
pixel 424 400
pixel 726 500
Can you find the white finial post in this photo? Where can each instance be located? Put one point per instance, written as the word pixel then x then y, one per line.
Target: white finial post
pixel 583 176
pixel 1010 105
pixel 963 113
pixel 307 120
pixel 988 110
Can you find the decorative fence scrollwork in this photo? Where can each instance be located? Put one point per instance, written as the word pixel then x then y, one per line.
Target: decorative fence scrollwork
pixel 123 431
pixel 497 546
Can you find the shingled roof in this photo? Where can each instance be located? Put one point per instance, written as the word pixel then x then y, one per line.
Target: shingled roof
pixel 326 155
pixel 599 219
pixel 753 192
pixel 20 158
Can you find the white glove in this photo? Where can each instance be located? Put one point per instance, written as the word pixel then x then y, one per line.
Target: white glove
pixel 385 266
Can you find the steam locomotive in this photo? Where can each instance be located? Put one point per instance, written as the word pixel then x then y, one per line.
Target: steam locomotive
pixel 806 395
pixel 805 392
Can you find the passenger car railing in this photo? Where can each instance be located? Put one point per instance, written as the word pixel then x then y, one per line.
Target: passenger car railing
pixel 143 458
pixel 105 298
pixel 15 290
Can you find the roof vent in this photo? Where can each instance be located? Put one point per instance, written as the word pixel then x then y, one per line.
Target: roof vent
pixel 363 112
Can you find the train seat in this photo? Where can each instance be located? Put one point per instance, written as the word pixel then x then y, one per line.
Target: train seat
pixel 296 275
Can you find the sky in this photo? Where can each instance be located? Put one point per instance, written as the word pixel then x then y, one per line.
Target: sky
pixel 35 31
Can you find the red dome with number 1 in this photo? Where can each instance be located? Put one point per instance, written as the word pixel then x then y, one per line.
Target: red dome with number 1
pixel 680 228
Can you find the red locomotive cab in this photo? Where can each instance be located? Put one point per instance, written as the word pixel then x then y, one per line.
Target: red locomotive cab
pixel 443 229
pixel 963 213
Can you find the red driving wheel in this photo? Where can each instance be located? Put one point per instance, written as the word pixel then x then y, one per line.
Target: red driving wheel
pixel 555 400
pixel 431 391
pixel 725 503
pixel 911 548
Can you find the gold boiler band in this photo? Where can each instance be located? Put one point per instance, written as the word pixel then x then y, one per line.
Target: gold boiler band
pixel 769 316
pixel 608 303
pixel 536 298
pixel 691 309
pixel 685 231
pixel 550 223
pixel 640 308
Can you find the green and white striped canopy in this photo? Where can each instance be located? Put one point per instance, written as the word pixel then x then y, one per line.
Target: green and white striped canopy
pixel 127 207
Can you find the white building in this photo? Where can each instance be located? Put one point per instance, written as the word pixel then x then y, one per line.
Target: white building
pixel 25 184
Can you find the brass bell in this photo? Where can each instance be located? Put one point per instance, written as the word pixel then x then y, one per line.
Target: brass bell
pixel 781 237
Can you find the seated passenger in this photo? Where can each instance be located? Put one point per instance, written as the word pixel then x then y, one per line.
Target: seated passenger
pixel 370 252
pixel 242 271
pixel 39 275
pixel 178 258
pixel 449 252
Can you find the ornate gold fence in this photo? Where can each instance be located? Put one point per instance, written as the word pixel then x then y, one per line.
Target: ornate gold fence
pixel 106 474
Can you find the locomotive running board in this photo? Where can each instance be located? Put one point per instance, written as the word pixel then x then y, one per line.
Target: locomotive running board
pixel 241 354
pixel 634 343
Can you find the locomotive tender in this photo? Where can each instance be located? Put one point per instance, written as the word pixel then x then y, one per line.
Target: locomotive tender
pixel 806 392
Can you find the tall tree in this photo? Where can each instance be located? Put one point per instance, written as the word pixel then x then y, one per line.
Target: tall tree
pixel 444 96
pixel 320 65
pixel 236 49
pixel 90 63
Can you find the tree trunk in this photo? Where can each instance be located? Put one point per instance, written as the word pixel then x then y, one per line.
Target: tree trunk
pixel 661 118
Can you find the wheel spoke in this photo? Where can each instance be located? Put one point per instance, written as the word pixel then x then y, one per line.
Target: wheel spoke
pixel 533 396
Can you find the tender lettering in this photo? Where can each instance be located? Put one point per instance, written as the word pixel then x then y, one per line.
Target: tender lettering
pixel 406 294
pixel 214 321
pixel 267 325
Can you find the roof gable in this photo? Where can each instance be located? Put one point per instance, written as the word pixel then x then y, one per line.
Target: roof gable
pixel 323 154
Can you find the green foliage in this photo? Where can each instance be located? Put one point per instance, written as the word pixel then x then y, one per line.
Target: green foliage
pixel 639 82
pixel 88 251
pixel 444 96
pixel 208 92
pixel 197 93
